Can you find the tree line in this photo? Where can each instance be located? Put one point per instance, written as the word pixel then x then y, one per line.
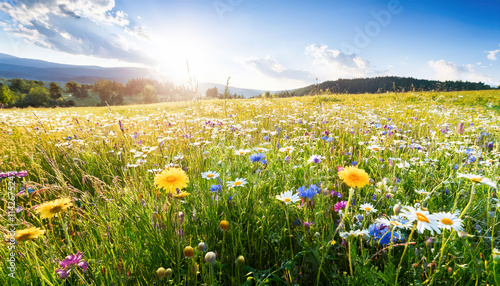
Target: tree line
pixel 382 85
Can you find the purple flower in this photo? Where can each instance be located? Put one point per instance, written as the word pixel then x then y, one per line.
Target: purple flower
pixel 340 205
pixel 70 263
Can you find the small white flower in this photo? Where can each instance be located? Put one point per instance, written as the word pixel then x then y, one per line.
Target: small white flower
pixel 478 179
pixel 448 221
pixel 210 175
pixel 239 182
pixel 368 208
pixel 288 197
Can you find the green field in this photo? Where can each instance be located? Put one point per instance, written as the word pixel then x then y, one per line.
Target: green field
pixel 418 204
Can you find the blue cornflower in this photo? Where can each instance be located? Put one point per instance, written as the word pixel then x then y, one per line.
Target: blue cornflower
pixel 308 193
pixel 382 234
pixel 257 157
pixel 215 188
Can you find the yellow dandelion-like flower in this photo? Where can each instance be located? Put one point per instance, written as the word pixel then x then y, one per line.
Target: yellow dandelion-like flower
pixel 29 233
pixel 354 177
pixel 171 179
pixel 52 208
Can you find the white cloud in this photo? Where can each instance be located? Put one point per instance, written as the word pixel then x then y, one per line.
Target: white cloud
pixel 333 64
pixel 449 71
pixel 270 67
pixel 492 55
pixel 87 27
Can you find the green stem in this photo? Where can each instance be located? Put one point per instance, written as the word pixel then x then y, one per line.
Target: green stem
pixel 404 252
pixel 80 276
pixel 349 249
pixel 36 262
pixel 65 227
pixel 470 200
pixel 290 237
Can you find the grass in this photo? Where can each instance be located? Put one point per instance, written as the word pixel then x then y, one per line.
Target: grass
pixel 127 228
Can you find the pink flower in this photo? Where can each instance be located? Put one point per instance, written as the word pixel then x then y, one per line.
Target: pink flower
pixel 340 205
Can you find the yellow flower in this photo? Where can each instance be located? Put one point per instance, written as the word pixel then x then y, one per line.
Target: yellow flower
pixel 171 179
pixel 354 177
pixel 52 208
pixel 29 233
pixel 188 252
pixel 224 225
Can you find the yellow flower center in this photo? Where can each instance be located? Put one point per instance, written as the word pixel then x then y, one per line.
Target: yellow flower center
pixel 170 179
pixel 368 209
pixel 375 149
pixel 287 200
pixel 288 149
pixel 210 175
pixel 56 209
pixel 447 221
pixel 396 223
pixel 241 153
pixel 476 179
pixel 422 217
pixel 237 183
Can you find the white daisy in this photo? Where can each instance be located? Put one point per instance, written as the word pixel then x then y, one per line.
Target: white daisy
pixel 210 175
pixel 423 192
pixel 448 221
pixel 478 179
pixel 261 149
pixel 241 152
pixel 288 197
pixel 375 148
pixel 288 149
pixel 355 233
pixel 423 218
pixel 368 208
pixel 239 182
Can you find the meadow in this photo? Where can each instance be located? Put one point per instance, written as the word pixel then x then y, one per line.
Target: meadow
pixel 378 189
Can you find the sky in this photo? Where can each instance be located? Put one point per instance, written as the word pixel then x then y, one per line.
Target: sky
pixel 262 44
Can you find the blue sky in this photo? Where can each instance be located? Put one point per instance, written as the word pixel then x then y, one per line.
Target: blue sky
pixel 271 44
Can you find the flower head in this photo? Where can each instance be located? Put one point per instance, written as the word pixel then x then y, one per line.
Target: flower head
pixel 28 234
pixel 423 218
pixel 239 182
pixel 340 206
pixel 475 179
pixel 210 175
pixel 288 197
pixel 382 234
pixel 448 221
pixel 224 225
pixel 368 208
pixel 70 263
pixel 257 157
pixel 315 159
pixel 52 208
pixel 354 177
pixel 171 179
pixel 308 193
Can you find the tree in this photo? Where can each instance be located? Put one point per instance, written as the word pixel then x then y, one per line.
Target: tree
pixel 81 92
pixel 55 90
pixel 149 93
pixel 104 88
pixel 6 95
pixel 37 96
pixel 71 86
pixel 212 92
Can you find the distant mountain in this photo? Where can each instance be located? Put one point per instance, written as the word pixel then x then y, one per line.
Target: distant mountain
pixel 202 88
pixel 14 67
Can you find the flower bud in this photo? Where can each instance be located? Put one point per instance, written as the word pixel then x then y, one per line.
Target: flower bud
pixel 161 272
pixel 210 257
pixel 168 272
pixel 240 260
pixel 224 225
pixel 188 252
pixel 397 208
pixel 202 246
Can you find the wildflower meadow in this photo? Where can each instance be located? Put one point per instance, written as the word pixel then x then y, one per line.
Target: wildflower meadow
pixel 368 189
